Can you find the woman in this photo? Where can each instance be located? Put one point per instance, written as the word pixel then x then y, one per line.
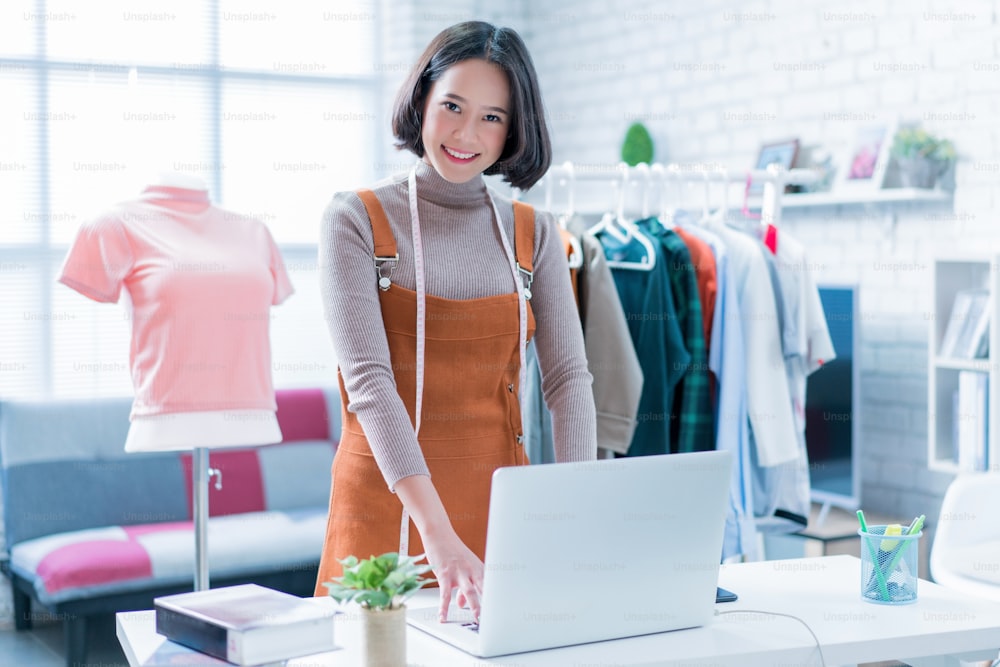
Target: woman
pixel 430 295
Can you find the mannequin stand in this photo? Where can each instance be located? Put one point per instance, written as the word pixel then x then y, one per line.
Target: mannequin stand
pixel 201 473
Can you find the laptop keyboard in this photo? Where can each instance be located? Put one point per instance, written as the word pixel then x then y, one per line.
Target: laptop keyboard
pixel 473 626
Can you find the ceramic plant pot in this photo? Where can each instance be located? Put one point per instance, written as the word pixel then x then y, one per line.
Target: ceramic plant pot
pixel 384 637
pixel 918 172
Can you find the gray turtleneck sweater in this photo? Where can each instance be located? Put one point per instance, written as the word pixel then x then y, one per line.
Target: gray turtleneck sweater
pixel 463 259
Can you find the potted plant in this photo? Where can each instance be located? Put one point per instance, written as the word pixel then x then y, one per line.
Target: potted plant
pixel 638 145
pixel 921 156
pixel 381 585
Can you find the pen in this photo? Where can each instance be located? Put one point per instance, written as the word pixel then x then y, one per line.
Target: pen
pixel 913 529
pixel 883 589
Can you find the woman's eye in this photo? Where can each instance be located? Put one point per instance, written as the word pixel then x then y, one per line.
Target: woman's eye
pixel 451 106
pixel 493 118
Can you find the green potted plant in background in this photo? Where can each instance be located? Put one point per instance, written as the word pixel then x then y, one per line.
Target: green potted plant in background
pixel 638 145
pixel 922 157
pixel 380 585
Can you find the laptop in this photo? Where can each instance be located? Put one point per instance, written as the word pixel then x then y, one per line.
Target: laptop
pixel 586 552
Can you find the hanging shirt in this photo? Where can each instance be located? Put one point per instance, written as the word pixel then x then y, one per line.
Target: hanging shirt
pixel 692 423
pixel 611 356
pixel 727 360
pixel 783 492
pixel 201 281
pixel 768 399
pixel 611 359
pixel 656 336
pixel 706 273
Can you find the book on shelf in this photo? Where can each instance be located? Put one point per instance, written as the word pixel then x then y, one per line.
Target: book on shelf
pixel 972 419
pixel 247 624
pixel 968 325
pixel 979 345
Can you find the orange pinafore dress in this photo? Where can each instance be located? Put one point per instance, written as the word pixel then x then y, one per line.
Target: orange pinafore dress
pixel 470 419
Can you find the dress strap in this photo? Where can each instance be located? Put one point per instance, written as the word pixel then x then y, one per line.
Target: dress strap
pixel 385 254
pixel 385 242
pixel 524 242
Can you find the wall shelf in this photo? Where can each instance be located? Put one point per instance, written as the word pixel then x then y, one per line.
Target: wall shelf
pixel 861 198
pixel 979 365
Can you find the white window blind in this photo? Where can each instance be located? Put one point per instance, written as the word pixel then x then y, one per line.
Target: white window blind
pixel 273 106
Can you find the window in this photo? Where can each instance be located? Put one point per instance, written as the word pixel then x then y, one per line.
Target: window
pixel 262 101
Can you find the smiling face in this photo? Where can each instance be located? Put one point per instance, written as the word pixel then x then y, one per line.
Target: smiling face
pixel 466 120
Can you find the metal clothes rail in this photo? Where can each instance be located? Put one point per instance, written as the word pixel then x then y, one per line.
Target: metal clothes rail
pixel 774 179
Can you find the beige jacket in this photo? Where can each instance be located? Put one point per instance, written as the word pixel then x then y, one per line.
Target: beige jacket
pixel 611 356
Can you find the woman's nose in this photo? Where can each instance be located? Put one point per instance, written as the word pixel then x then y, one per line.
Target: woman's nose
pixel 464 129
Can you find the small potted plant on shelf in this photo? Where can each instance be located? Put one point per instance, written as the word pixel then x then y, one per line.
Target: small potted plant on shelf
pixel 381 585
pixel 922 157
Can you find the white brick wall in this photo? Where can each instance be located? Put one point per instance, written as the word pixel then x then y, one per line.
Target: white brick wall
pixel 713 80
pixel 795 67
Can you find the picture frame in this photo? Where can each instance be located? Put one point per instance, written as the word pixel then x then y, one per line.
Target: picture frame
pixel 865 160
pixel 783 153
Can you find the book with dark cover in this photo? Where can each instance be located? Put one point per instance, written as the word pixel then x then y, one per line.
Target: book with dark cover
pixel 246 624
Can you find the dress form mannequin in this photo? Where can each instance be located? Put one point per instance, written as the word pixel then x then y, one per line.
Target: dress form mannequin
pixel 209 428
pixel 198 283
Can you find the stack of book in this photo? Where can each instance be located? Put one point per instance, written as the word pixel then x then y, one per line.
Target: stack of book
pixel 247 624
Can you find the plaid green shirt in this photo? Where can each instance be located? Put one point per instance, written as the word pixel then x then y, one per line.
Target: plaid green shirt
pixel 692 424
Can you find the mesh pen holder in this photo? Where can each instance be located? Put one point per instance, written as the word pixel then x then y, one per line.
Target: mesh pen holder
pixel 889 566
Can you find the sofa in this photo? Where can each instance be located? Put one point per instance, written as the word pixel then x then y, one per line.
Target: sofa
pixel 91 529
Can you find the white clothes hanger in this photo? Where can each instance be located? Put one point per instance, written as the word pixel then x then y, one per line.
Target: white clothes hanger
pixel 626 230
pixel 705 204
pixel 668 213
pixel 575 258
pixel 576 252
pixel 646 174
pixel 571 188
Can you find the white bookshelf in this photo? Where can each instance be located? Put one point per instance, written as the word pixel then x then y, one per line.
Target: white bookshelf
pixel 950 277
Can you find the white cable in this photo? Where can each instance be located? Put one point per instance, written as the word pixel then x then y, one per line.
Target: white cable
pixel 819 647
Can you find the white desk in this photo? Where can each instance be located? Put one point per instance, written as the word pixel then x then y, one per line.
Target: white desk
pixel 939 629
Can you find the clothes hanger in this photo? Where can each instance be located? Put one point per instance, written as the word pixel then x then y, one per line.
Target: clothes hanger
pixel 625 231
pixel 646 174
pixel 607 221
pixel 723 211
pixel 668 214
pixel 575 258
pixel 705 209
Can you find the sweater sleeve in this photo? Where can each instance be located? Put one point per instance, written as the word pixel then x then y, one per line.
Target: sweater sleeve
pixel 354 318
pixel 566 382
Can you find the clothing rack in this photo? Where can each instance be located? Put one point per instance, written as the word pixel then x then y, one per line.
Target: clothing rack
pixel 774 180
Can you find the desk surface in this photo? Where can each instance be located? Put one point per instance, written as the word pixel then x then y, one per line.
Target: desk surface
pixel 823 592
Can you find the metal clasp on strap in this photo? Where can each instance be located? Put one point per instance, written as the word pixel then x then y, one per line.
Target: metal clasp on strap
pixel 385 274
pixel 529 276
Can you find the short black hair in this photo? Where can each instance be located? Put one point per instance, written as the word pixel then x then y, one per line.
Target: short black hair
pixel 528 152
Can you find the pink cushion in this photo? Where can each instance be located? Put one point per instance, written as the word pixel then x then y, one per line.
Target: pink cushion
pixel 93 563
pixel 242 483
pixel 302 414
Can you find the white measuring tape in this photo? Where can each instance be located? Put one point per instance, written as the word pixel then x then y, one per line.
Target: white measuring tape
pixel 421 288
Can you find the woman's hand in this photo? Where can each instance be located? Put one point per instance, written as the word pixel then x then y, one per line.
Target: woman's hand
pixel 457 569
pixel 455 566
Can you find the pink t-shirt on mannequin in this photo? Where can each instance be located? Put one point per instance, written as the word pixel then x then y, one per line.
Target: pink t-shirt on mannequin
pixel 200 281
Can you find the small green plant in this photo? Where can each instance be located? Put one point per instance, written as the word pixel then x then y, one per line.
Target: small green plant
pixel 916 142
pixel 380 582
pixel 638 145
